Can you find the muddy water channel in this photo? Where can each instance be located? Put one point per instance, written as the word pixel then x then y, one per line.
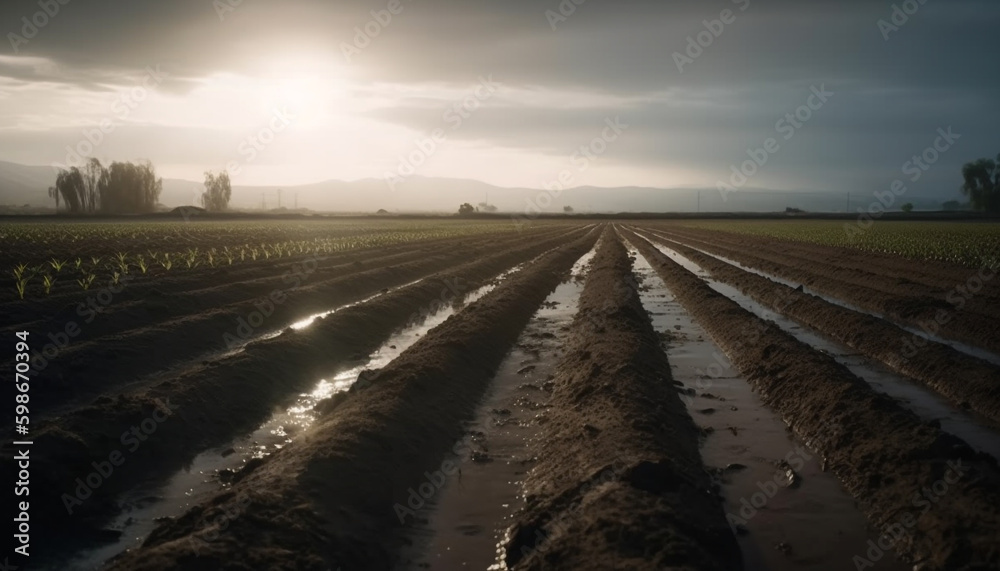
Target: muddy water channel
pixel 145 506
pixel 979 432
pixel 973 351
pixel 463 525
pixel 787 512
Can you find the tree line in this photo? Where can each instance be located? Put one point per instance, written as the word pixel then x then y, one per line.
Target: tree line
pixel 119 188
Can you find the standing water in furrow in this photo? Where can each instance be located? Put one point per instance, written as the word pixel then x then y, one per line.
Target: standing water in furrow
pixel 147 505
pixel 979 432
pixel 787 512
pixel 462 525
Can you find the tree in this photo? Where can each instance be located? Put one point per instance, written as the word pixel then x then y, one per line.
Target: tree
pixel 92 173
pixel 54 193
pixel 130 188
pixel 484 207
pixel 908 207
pixel 466 209
pixel 982 184
pixel 69 184
pixel 217 191
pixel 567 209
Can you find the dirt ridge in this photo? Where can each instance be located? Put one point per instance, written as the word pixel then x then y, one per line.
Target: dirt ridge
pixel 974 329
pixel 235 394
pixel 327 500
pixel 884 455
pixel 619 482
pixel 967 381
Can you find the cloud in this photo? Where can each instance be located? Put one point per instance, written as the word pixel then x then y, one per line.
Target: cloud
pixel 605 59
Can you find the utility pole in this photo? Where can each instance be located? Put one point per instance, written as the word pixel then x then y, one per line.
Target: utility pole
pixel 296 200
pixel 699 201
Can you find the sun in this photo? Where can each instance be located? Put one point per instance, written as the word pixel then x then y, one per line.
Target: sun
pixel 307 87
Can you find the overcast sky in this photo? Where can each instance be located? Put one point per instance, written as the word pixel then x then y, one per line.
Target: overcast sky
pixel 290 92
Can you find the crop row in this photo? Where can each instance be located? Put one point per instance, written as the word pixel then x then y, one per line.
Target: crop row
pixel 88 255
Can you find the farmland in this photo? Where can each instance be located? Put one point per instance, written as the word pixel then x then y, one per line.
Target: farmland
pixel 567 394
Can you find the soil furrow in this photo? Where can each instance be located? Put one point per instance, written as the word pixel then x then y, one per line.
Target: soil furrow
pixel 100 365
pixel 147 301
pixel 330 498
pixel 965 380
pixel 937 500
pixel 870 274
pixel 938 314
pixel 890 271
pixel 229 397
pixel 619 480
pixel 788 514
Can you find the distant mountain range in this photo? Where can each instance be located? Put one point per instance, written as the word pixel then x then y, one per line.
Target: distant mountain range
pixel 28 185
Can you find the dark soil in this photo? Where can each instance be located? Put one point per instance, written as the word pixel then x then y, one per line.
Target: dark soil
pixel 872 269
pixel 967 381
pixel 226 398
pixel 330 499
pixel 85 370
pixel 923 306
pixel 619 482
pixel 936 498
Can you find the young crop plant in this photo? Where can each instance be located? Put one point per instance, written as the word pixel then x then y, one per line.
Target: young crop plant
pixel 19 270
pixel 21 285
pixel 47 282
pixel 86 280
pixel 57 264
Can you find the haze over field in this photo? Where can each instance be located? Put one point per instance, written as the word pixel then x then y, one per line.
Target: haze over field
pixel 426 104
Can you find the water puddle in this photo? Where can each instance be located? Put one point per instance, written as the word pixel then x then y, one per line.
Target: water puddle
pixel 466 521
pixel 145 506
pixel 794 521
pixel 974 429
pixel 971 350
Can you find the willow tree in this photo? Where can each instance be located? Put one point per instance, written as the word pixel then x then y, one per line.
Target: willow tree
pixel 982 184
